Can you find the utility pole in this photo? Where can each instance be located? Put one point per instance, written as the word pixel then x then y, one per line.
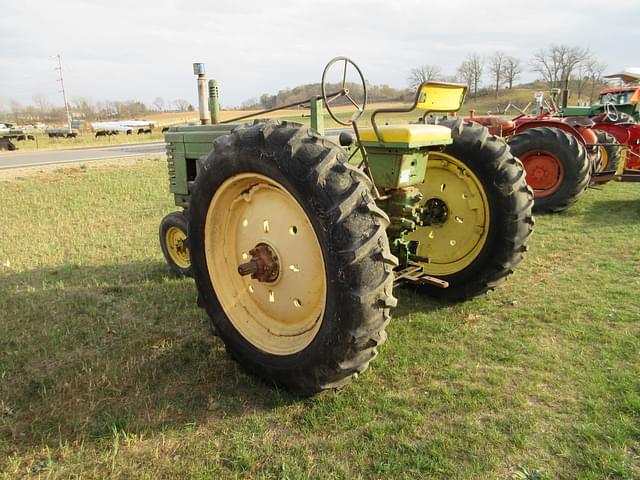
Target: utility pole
pixel 64 95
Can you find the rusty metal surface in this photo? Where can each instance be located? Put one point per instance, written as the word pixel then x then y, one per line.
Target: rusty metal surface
pixel 414 274
pixel 263 265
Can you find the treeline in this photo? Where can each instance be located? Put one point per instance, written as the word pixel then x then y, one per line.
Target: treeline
pixel 302 93
pixel 84 108
pixel 558 66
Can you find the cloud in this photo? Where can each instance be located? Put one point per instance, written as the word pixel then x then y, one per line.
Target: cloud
pixel 139 49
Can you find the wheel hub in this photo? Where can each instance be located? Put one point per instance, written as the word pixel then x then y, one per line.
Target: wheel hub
pixel 263 265
pixel 435 212
pixel 456 216
pixel 544 173
pixel 175 241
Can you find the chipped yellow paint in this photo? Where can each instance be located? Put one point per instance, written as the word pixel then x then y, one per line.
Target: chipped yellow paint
pixel 280 317
pixel 455 244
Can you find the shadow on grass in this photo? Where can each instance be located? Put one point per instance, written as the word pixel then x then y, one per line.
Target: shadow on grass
pixel 614 212
pixel 411 299
pixel 87 351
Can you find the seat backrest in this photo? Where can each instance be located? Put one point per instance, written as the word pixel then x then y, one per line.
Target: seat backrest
pixel 440 97
pixel 430 97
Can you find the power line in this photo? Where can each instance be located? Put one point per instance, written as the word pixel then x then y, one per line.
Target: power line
pixel 64 95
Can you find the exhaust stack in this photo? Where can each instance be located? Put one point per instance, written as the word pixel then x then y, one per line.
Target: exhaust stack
pixel 214 101
pixel 203 105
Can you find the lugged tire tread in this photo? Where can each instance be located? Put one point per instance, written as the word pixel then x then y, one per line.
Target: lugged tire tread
pixel 614 150
pixel 567 150
pixel 490 270
pixel 356 228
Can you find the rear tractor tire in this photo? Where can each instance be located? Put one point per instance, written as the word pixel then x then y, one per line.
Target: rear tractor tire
pixel 610 152
pixel 479 209
pixel 174 243
pixel 290 256
pixel 557 166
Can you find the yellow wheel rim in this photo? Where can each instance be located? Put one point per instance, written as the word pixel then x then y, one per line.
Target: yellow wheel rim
pixel 455 243
pixel 179 253
pixel 604 159
pixel 283 316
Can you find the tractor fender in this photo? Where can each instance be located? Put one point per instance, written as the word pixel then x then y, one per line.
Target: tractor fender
pixel 560 125
pixel 629 135
pixel 620 133
pixel 497 125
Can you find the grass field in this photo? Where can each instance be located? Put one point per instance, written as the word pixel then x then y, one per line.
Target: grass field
pixel 108 369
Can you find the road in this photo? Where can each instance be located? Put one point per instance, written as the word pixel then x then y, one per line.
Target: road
pixel 34 158
pixel 21 159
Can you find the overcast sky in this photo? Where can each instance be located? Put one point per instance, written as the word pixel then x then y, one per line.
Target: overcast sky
pixel 134 49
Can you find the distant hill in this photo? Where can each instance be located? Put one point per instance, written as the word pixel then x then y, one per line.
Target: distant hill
pixel 484 102
pixel 375 93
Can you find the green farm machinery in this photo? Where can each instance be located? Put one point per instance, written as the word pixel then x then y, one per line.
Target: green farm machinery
pixel 9 132
pixel 296 239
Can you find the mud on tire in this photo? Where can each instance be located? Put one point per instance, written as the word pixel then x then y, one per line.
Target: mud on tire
pixel 348 227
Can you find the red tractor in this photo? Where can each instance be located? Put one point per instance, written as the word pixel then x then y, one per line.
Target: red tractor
pixel 560 157
pixel 627 134
pixel 616 118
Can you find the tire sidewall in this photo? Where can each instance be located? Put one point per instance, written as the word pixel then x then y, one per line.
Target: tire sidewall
pixel 218 171
pixel 568 152
pixel 177 220
pixel 481 163
pixel 612 151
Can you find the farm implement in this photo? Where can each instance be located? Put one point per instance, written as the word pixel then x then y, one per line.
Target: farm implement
pixel 9 133
pixel 296 239
pixel 560 158
pixel 616 118
pixel 563 153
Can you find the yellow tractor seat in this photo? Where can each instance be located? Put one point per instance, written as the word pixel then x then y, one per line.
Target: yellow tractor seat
pixel 410 135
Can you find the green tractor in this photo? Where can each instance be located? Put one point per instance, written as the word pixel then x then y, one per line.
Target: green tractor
pixel 296 239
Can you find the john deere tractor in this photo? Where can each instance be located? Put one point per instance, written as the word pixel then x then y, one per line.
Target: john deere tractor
pixel 296 239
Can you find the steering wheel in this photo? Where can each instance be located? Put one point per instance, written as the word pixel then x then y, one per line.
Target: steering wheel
pixel 611 112
pixel 344 91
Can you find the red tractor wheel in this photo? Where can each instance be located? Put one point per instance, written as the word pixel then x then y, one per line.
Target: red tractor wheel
pixel 544 172
pixel 557 166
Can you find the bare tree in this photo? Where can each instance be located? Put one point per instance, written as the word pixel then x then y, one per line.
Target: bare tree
pixel 470 71
pixel 557 63
pixel 512 70
pixel 16 108
pixel 496 67
pixel 84 106
pixel 159 104
pixel 596 69
pixel 181 105
pixel 249 104
pixel 111 109
pixel 42 103
pixel 104 110
pixel 465 74
pixel 424 73
pixel 579 79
